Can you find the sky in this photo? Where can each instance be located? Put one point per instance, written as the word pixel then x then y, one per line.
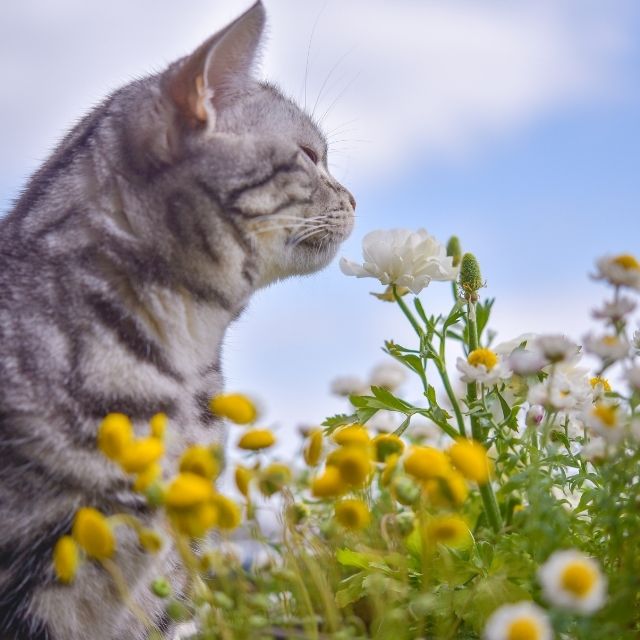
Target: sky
pixel 515 126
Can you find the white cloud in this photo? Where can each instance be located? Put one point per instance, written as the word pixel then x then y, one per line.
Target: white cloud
pixel 434 77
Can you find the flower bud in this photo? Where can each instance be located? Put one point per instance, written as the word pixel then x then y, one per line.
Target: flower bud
pixel 534 416
pixel 454 250
pixel 161 588
pixel 470 277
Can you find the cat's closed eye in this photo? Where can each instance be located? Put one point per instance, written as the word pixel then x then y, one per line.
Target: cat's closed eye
pixel 313 156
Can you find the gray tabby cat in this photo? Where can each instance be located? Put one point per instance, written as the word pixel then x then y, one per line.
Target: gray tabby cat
pixel 121 265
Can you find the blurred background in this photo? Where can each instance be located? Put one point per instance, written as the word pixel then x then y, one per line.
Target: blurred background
pixel 515 126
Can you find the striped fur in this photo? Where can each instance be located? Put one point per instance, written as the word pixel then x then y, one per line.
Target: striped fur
pixel 121 265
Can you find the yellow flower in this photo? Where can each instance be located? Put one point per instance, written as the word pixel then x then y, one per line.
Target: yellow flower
pixel 353 463
pixel 426 462
pixel 451 531
pixel 470 458
pixel 352 514
pixel 389 469
pixel 158 424
pixel 147 477
pixel 328 485
pixel 140 454
pixel 65 559
pixel 446 491
pixel 195 521
pixel 234 406
pixel 91 530
pixel 150 540
pixel 228 512
pixel 386 445
pixel 188 490
pixel 313 449
pixel 255 439
pixel 243 478
pixel 201 461
pixel 274 478
pixel 483 356
pixel 114 435
pixel 354 434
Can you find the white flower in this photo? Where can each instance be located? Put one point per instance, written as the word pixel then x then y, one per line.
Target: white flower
pixel 348 385
pixel 607 420
pixel 526 363
pixel 622 270
pixel 566 389
pixel 388 375
pixel 555 348
pixel 573 581
pixel 520 620
pixel 534 416
pixel 506 348
pixel 595 450
pixel 615 311
pixel 482 365
pixel 633 377
pixel 608 347
pixel 405 258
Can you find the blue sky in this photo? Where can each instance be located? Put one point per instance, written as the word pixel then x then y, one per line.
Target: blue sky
pixel 517 129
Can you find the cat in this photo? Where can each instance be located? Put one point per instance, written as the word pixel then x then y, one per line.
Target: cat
pixel 122 263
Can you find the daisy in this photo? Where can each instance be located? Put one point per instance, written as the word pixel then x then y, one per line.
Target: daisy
pixel 347 386
pixel 388 375
pixel 520 621
pixel 607 420
pixel 555 348
pixel 482 365
pixel 404 258
pixel 595 450
pixel 621 271
pixel 615 311
pixel 607 347
pixel 572 580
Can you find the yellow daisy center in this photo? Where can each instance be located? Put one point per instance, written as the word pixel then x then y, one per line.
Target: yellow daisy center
pixel 579 578
pixel 483 356
pixel 610 341
pixel 602 381
pixel 606 414
pixel 352 514
pixel 627 261
pixel 523 629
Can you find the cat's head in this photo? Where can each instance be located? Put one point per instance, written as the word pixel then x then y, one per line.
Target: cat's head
pixel 262 158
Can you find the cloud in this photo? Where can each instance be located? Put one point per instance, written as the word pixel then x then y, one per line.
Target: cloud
pixel 433 78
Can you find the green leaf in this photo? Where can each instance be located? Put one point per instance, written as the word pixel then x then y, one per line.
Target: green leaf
pixel 352 590
pixel 338 420
pixel 350 558
pixel 389 400
pixel 419 308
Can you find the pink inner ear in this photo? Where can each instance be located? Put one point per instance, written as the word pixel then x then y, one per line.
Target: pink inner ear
pixel 221 63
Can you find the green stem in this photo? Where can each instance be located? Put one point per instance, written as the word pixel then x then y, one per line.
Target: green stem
pixel 407 312
pixel 486 490
pixel 442 370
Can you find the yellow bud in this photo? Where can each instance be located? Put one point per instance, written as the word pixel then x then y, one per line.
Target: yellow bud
pixel 426 462
pixel 65 559
pixel 389 469
pixel 386 445
pixel 446 491
pixel 158 424
pixel 255 439
pixel 188 490
pixel 201 461
pixel 91 530
pixel 114 435
pixel 196 520
pixel 140 454
pixel 313 449
pixel 352 514
pixel 234 406
pixel 243 479
pixel 355 434
pixel 470 458
pixel 353 463
pixel 329 484
pixel 228 512
pixel 147 477
pixel 274 478
pixel 451 531
pixel 150 540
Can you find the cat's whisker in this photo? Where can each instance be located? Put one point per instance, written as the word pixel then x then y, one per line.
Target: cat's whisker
pixel 324 84
pixel 306 66
pixel 344 90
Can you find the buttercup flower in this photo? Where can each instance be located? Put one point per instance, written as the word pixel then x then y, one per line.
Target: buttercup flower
pixel 470 458
pixel 402 257
pixel 388 375
pixel 352 514
pixel 622 271
pixel 451 531
pixel 482 365
pixel 92 531
pixel 573 581
pixel 608 347
pixel 521 621
pixel 255 439
pixel 65 559
pixel 234 406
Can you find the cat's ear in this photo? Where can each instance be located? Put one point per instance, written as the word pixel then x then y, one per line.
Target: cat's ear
pixel 221 66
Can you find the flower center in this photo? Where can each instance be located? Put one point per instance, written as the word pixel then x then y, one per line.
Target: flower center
pixel 606 414
pixel 578 578
pixel 627 261
pixel 483 356
pixel 598 380
pixel 610 341
pixel 523 629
